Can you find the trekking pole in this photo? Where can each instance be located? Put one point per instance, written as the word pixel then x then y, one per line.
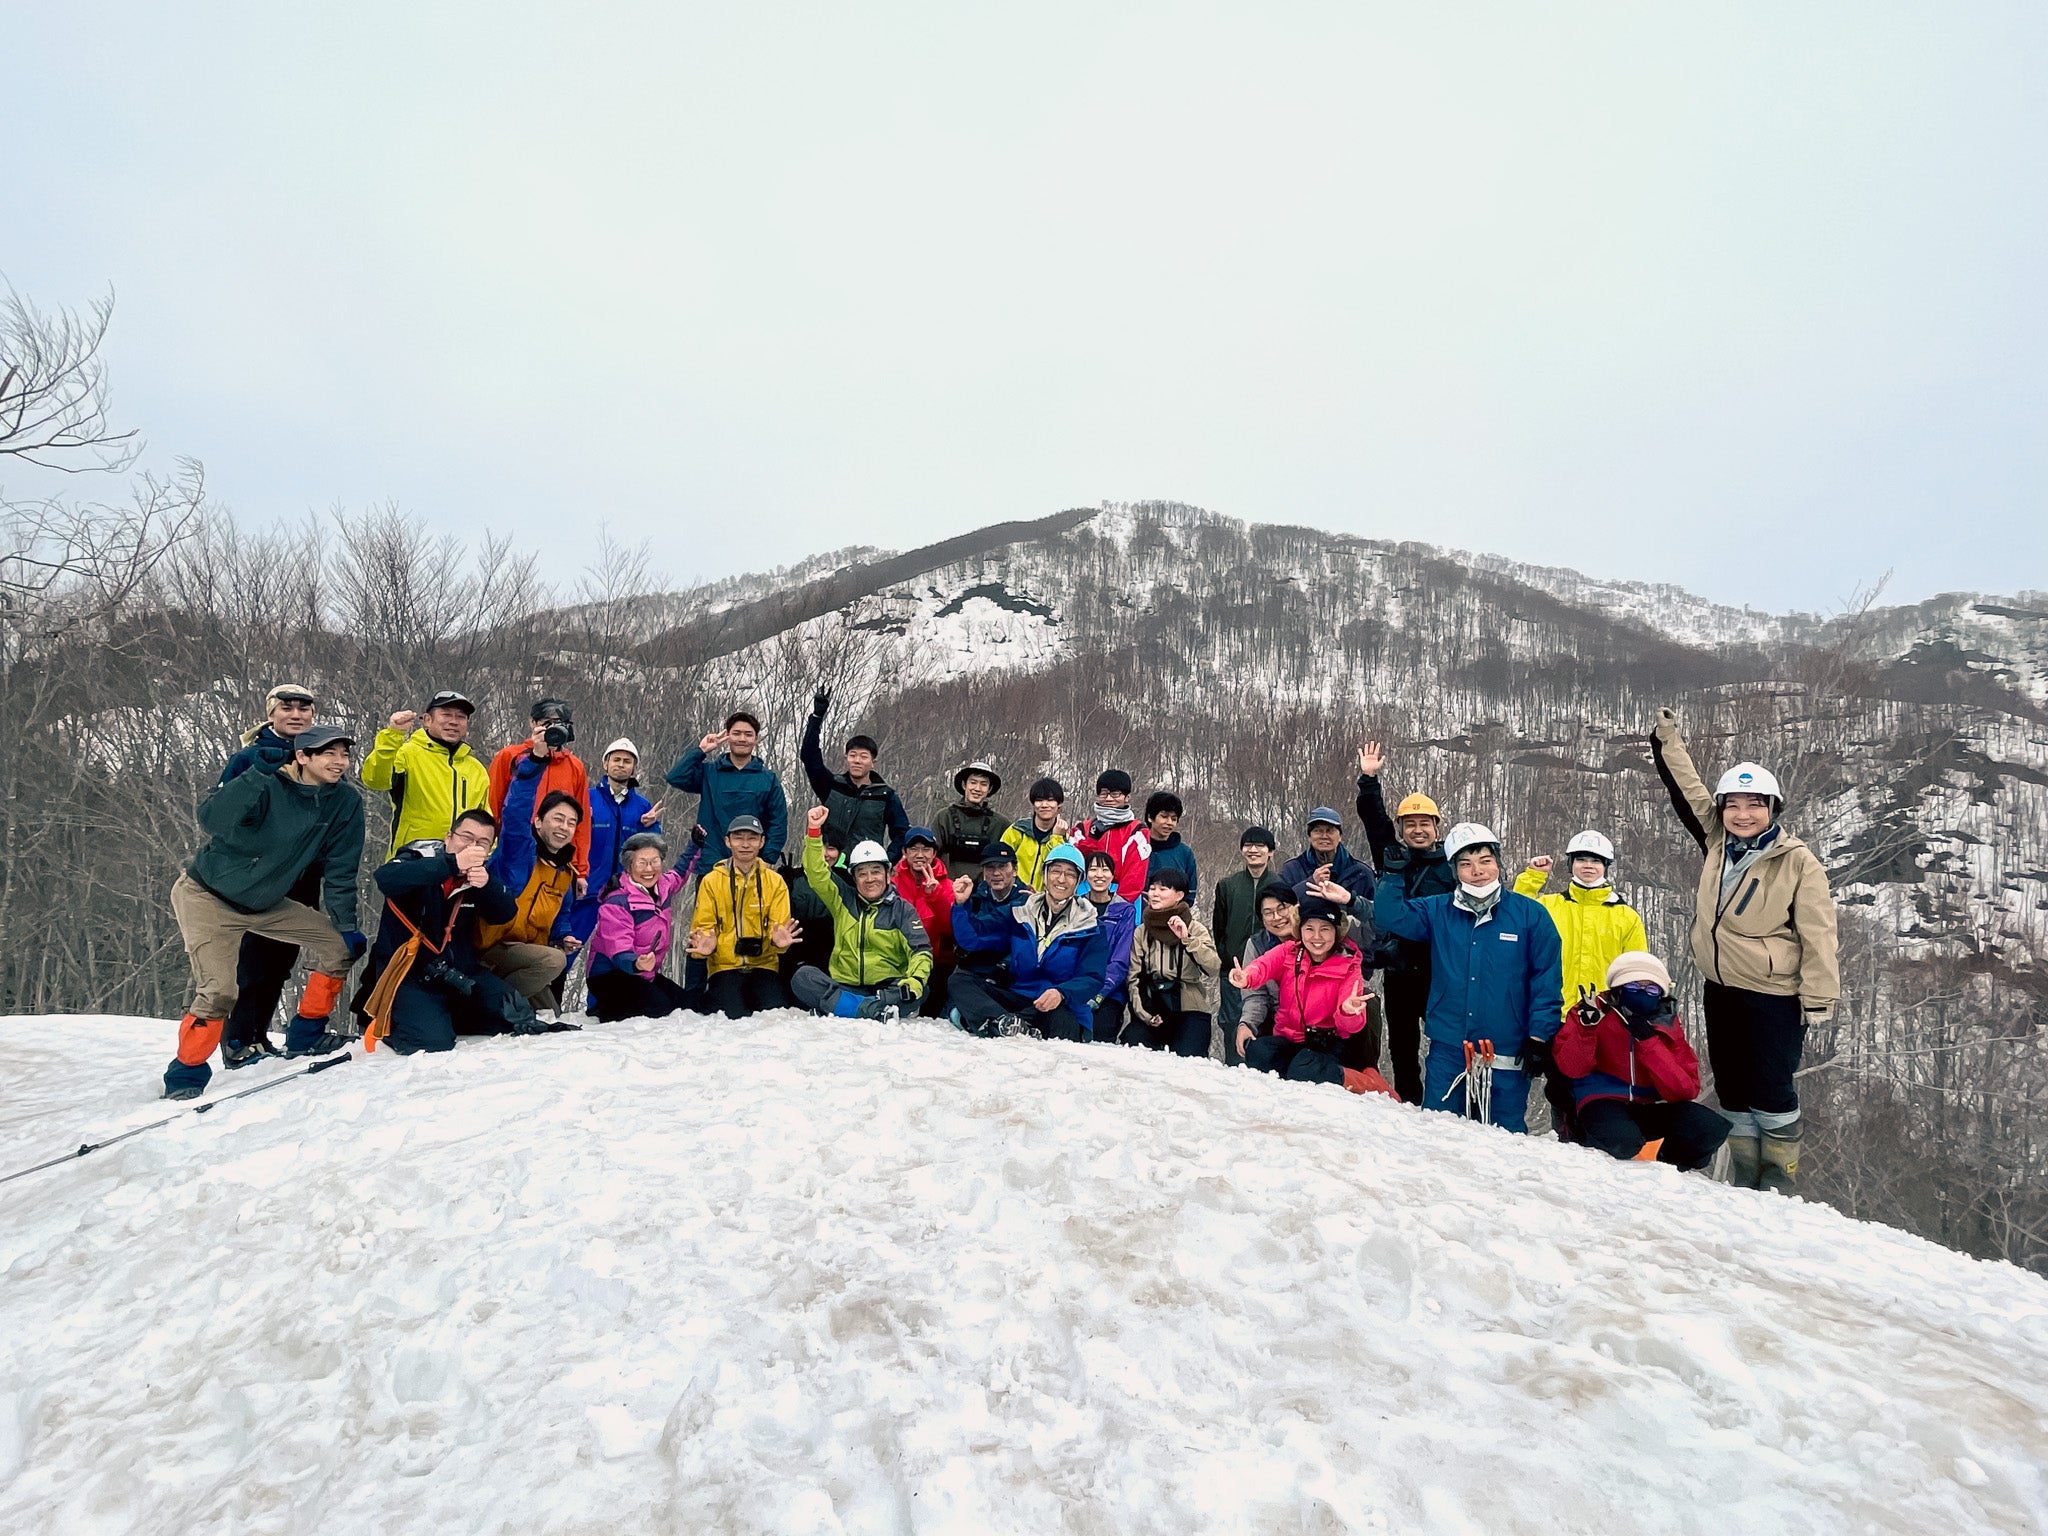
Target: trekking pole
pixel 199 1109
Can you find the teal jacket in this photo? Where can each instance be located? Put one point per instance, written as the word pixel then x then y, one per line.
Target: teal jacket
pixel 264 830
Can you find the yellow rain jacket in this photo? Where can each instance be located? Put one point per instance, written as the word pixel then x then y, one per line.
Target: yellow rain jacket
pixel 429 784
pixel 1595 925
pixel 734 905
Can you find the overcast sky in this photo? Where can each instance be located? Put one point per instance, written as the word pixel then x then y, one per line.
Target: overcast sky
pixel 1749 297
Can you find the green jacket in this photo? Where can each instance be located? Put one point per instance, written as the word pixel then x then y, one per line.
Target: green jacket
pixel 430 785
pixel 881 943
pixel 1235 916
pixel 264 830
pixel 963 831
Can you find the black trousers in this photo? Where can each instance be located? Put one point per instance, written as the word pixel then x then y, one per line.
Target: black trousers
pixel 934 1003
pixel 261 971
pixel 980 1001
pixel 1184 1033
pixel 1407 993
pixel 1691 1133
pixel 428 1016
pixel 744 990
pixel 1294 1060
pixel 626 995
pixel 1754 1041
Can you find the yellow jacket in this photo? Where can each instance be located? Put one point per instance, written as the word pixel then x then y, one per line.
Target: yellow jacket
pixel 1032 850
pixel 733 905
pixel 430 785
pixel 543 915
pixel 1595 925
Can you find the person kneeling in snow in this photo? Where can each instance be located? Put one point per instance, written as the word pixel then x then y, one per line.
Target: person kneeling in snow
pixel 431 984
pixel 1058 952
pixel 1320 1016
pixel 1495 977
pixel 1633 1074
pixel 881 957
pixel 740 929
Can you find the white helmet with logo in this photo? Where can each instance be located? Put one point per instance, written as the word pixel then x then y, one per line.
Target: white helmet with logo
pixel 867 853
pixel 1469 834
pixel 1591 844
pixel 1748 779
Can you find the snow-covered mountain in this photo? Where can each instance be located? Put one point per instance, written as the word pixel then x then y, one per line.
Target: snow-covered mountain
pixel 799 1276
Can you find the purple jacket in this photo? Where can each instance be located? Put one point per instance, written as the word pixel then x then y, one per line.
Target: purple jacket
pixel 631 923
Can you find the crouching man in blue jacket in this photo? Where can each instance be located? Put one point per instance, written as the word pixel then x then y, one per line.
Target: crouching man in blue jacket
pixel 1495 975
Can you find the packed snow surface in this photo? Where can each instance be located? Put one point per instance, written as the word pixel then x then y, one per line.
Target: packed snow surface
pixel 803 1276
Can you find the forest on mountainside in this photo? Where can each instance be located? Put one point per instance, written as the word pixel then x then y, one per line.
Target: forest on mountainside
pixel 1239 666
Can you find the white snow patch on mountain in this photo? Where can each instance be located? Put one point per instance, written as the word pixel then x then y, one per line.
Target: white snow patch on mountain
pixel 798 1276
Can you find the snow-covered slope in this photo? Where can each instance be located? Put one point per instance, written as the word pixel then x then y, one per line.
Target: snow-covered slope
pixel 795 1276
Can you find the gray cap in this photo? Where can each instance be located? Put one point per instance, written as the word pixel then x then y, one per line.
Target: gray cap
pixel 745 824
pixel 314 737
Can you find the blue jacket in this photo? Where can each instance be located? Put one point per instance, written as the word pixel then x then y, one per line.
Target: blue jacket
pixel 1119 921
pixel 266 748
pixel 611 823
pixel 1356 876
pixel 1173 855
pixel 982 928
pixel 1496 980
pixel 724 792
pixel 1071 958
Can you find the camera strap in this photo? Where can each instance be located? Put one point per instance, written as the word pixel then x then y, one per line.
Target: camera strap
pixel 382 996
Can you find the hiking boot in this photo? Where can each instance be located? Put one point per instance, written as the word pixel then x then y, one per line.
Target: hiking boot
pixel 187 1092
pixel 1011 1024
pixel 1779 1159
pixel 324 1044
pixel 875 1008
pixel 233 1056
pixel 1744 1161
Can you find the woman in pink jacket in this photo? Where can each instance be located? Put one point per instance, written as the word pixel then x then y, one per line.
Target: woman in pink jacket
pixel 634 930
pixel 1323 1001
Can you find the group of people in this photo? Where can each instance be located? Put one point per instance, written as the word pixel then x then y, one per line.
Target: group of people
pixel 500 877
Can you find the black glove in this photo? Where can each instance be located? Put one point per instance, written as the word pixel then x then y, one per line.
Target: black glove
pixel 1585 1010
pixel 821 701
pixel 895 995
pixel 1639 1029
pixel 1396 857
pixel 697 836
pixel 1323 1040
pixel 1536 1056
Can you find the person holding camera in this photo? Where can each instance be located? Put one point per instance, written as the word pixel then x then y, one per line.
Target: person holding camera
pixel 265 829
pixel 881 956
pixel 1322 1008
pixel 864 808
pixel 431 984
pixel 742 926
pixel 1058 953
pixel 1174 969
pixel 531 949
pixel 430 774
pixel 524 773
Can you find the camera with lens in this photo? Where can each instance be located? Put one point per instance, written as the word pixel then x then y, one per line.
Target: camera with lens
pixel 1323 1040
pixel 1159 994
pixel 560 729
pixel 748 948
pixel 441 973
pixel 558 735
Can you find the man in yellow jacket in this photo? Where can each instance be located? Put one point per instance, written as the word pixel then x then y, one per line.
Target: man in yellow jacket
pixel 431 775
pixel 1593 922
pixel 742 925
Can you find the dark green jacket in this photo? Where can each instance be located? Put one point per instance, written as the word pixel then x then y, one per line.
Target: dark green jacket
pixel 963 831
pixel 1235 917
pixel 265 830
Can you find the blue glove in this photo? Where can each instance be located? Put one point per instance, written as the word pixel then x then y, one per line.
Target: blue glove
pixel 353 938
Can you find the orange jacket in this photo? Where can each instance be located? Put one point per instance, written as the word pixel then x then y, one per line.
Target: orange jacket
pixel 564 771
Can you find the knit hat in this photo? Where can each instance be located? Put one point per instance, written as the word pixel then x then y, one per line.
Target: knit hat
pixel 1638 965
pixel 1114 780
pixel 1321 907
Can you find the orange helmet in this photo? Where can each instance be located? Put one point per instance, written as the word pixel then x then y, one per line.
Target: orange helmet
pixel 1419 805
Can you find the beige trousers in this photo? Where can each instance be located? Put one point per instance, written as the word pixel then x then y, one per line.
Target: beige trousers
pixel 213 933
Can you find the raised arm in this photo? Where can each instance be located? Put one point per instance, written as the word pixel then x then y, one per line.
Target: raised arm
pixel 1689 797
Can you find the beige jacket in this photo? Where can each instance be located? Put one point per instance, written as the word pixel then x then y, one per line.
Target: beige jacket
pixel 1775 930
pixel 1195 965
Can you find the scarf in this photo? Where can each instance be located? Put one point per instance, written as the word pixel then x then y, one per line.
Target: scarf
pixel 1113 816
pixel 1156 923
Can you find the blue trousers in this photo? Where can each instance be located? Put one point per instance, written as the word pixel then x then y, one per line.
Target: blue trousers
pixel 1510 1089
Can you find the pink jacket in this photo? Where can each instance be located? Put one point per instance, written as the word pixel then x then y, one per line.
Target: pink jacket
pixel 1310 992
pixel 631 923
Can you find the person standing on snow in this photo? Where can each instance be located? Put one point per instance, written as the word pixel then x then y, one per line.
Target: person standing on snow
pixel 1763 936
pixel 864 807
pixel 1634 1077
pixel 265 964
pixel 881 957
pixel 1327 870
pixel 733 784
pixel 431 775
pixel 1495 975
pixel 1115 830
pixel 1593 923
pixel 1321 1007
pixel 1163 846
pixel 1057 955
pixel 970 824
pixel 1424 872
pixel 1234 919
pixel 265 829
pixel 618 812
pixel 1033 837
pixel 524 773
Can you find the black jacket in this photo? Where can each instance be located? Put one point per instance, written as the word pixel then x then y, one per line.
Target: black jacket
pixel 859 813
pixel 1422 871
pixel 415 882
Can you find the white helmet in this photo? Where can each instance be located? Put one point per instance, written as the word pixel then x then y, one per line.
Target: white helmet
pixel 1590 843
pixel 623 744
pixel 867 853
pixel 1748 779
pixel 1469 834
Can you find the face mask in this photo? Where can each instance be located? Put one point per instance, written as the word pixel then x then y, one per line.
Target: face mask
pixel 1479 892
pixel 1593 884
pixel 1641 998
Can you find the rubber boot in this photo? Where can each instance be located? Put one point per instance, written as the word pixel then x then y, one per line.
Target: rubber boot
pixel 1744 1161
pixel 1780 1159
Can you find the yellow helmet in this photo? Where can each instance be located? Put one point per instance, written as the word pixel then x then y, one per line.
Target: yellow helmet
pixel 1419 805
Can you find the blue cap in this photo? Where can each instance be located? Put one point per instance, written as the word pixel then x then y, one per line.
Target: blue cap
pixel 920 835
pixel 1323 813
pixel 1067 853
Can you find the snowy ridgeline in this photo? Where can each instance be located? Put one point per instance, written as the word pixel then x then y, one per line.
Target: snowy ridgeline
pixel 794 1276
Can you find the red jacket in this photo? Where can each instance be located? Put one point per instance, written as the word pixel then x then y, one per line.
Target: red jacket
pixel 564 771
pixel 1310 990
pixel 1605 1061
pixel 1126 844
pixel 934 906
